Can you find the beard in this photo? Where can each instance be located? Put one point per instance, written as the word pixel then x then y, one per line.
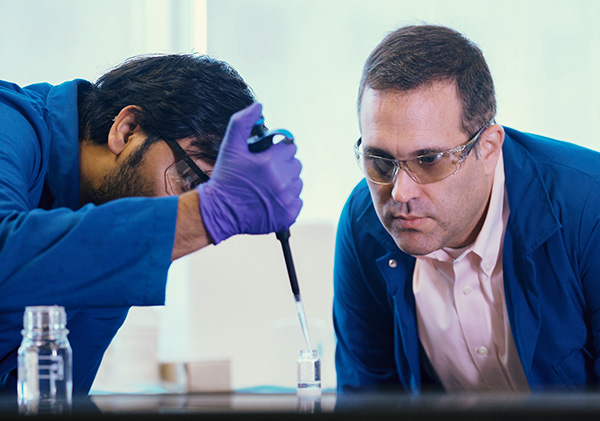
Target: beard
pixel 124 181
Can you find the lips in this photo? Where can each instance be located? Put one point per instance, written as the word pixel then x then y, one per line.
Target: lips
pixel 410 222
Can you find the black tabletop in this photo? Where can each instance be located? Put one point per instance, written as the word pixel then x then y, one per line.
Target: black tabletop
pixel 248 406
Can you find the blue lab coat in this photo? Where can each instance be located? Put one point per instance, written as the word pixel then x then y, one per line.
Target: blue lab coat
pixel 551 262
pixel 96 261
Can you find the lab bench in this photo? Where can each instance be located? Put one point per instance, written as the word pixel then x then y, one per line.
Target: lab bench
pixel 285 406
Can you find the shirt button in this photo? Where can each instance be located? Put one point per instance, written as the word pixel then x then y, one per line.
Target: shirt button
pixel 467 291
pixel 392 263
pixel 482 350
pixel 488 267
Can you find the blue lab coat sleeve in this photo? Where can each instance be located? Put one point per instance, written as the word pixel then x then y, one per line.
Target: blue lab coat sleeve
pixel 96 261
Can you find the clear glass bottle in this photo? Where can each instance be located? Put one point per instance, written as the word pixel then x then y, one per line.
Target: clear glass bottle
pixel 309 381
pixel 45 380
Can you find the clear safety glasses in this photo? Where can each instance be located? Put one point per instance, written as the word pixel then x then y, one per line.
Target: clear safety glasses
pixel 423 169
pixel 183 175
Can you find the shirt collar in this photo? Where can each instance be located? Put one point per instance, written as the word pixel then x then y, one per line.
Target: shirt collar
pixel 488 243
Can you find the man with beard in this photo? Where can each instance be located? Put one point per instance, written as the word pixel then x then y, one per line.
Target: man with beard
pixel 103 185
pixel 467 259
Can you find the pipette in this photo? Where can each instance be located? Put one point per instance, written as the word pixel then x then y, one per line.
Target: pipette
pixel 261 141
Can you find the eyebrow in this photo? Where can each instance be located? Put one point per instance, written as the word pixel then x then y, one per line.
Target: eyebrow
pixel 383 154
pixel 378 152
pixel 428 151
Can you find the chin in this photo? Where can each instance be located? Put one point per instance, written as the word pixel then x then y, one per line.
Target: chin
pixel 414 243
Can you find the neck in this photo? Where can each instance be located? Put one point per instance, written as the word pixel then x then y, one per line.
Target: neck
pixel 92 159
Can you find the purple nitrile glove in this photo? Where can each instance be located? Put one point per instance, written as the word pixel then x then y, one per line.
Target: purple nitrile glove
pixel 250 193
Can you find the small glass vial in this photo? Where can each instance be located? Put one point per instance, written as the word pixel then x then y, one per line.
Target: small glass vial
pixel 45 380
pixel 309 382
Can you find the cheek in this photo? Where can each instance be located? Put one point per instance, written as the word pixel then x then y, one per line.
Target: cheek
pixel 153 174
pixel 380 195
pixel 449 200
pixel 459 204
pixel 160 182
pixel 157 173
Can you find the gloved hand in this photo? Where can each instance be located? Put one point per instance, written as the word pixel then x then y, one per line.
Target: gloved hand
pixel 250 193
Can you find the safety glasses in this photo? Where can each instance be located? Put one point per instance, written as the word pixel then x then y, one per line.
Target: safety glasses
pixel 183 175
pixel 423 169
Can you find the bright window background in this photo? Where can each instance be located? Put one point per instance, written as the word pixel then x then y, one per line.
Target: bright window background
pixel 57 40
pixel 304 60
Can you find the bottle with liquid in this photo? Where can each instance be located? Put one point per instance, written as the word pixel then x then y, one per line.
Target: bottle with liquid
pixel 45 357
pixel 309 381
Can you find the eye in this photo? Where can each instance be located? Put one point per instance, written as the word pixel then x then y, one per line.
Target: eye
pixel 185 173
pixel 429 160
pixel 382 165
pixel 194 180
pixel 194 183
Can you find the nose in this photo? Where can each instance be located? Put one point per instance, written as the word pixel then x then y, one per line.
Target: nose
pixel 405 188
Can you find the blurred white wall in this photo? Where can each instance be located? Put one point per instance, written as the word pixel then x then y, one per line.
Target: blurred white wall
pixel 237 311
pixel 58 40
pixel 304 59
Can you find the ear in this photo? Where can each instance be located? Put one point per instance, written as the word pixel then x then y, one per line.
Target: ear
pixel 125 124
pixel 490 146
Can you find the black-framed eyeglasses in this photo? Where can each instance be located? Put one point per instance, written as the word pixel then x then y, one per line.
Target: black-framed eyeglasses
pixel 423 169
pixel 183 175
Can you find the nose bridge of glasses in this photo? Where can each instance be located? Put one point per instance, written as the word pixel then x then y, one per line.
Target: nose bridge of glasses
pixel 404 184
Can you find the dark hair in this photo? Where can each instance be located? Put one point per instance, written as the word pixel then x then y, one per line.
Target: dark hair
pixel 179 95
pixel 415 56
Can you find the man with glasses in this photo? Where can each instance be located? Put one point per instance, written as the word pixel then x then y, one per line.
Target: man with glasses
pixel 103 185
pixel 467 259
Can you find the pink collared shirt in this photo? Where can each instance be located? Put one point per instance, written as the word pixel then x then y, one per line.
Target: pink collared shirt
pixel 461 311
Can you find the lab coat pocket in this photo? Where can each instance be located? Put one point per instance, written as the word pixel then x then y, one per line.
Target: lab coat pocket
pixel 575 370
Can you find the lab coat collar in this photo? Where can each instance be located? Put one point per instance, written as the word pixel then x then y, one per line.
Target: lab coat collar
pixel 532 217
pixel 63 166
pixel 531 223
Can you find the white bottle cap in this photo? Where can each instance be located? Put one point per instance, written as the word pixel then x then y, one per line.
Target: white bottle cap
pixel 44 318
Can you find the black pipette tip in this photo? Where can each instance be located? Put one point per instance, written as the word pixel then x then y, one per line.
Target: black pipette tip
pixel 283 237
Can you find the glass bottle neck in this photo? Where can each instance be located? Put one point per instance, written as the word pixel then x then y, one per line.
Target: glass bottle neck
pixel 45 334
pixel 309 354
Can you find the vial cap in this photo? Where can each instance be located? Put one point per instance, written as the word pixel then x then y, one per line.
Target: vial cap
pixel 44 318
pixel 309 353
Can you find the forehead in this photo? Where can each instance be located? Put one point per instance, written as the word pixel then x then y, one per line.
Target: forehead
pixel 402 123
